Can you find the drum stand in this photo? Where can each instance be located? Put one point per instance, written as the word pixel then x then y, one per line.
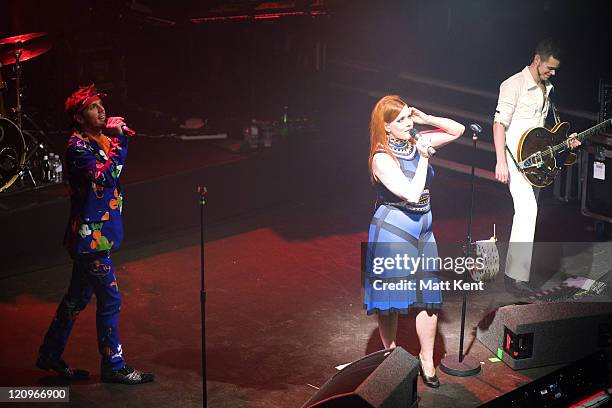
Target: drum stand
pixel 30 144
pixel 37 143
pixel 25 169
pixel 461 365
pixel 19 117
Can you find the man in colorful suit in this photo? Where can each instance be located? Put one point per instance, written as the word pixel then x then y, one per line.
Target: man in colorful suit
pixel 95 156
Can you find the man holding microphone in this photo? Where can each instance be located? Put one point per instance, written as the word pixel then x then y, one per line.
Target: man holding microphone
pixel 95 156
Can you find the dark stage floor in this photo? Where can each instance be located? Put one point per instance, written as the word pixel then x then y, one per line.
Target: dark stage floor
pixel 283 276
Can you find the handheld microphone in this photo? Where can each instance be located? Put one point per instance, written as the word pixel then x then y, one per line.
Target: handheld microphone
pixel 416 135
pixel 127 131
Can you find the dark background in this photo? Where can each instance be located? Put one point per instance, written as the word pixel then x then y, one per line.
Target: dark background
pixel 160 68
pixel 286 221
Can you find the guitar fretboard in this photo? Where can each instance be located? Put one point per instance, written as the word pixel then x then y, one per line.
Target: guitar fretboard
pixel 590 131
pixel 582 135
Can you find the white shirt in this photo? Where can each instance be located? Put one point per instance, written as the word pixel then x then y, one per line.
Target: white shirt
pixel 521 106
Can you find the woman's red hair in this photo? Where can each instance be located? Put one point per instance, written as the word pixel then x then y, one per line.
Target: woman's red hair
pixel 385 111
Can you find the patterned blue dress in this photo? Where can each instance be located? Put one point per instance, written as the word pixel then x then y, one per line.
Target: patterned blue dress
pixel 401 232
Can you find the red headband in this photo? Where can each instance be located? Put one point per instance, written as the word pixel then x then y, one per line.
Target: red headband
pixel 81 98
pixel 83 104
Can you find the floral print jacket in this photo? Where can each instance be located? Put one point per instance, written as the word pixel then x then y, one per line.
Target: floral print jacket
pixel 95 194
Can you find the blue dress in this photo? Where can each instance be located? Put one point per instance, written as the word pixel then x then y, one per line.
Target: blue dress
pixel 400 234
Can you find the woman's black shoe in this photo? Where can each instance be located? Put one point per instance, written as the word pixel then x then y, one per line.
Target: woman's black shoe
pixel 432 381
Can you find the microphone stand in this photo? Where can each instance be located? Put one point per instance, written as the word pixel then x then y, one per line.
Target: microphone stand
pixel 461 365
pixel 202 193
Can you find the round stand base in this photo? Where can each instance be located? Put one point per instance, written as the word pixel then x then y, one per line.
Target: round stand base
pixel 451 366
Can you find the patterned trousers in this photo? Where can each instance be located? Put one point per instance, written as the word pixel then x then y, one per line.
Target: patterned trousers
pixel 92 273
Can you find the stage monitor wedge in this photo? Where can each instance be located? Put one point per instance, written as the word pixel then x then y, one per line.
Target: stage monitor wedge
pixel 383 379
pixel 541 334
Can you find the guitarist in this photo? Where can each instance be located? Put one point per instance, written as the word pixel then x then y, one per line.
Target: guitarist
pixel 523 104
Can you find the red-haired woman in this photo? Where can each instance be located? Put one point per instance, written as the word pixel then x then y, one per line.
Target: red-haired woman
pixel 400 232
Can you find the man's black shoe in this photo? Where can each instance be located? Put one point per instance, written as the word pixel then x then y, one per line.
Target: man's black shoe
pixel 518 288
pixel 126 375
pixel 60 367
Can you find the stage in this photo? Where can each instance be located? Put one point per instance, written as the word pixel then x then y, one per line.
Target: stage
pixel 283 279
pixel 284 224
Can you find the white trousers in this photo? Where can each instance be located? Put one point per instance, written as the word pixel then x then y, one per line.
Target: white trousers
pixel 520 249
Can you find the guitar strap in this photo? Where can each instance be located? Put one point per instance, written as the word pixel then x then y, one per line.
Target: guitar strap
pixel 513 159
pixel 555 113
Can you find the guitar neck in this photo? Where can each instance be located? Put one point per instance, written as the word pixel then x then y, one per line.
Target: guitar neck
pixel 592 130
pixel 582 135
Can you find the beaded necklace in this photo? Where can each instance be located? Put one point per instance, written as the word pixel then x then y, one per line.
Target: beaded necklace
pixel 402 148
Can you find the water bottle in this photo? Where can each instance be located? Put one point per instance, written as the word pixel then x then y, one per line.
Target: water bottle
pixel 51 168
pixel 267 136
pixel 254 133
pixel 246 133
pixel 53 159
pixel 59 174
pixel 46 166
pixel 285 122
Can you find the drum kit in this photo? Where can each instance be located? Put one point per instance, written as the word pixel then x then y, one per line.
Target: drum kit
pixel 22 151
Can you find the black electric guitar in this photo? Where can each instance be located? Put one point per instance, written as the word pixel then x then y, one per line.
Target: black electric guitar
pixel 540 149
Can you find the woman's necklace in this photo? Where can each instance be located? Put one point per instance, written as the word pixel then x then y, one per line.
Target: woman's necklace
pixel 402 148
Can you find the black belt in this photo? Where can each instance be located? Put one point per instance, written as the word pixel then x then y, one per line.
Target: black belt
pixel 422 206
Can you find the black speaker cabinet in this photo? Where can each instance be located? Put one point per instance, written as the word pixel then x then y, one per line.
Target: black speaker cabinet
pixel 540 334
pixel 597 180
pixel 383 379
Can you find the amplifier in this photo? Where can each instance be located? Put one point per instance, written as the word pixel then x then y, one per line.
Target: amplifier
pixel 605 100
pixel 597 182
pixel 603 138
pixel 605 112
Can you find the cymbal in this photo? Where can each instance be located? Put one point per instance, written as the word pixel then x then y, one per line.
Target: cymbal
pixel 29 52
pixel 21 38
